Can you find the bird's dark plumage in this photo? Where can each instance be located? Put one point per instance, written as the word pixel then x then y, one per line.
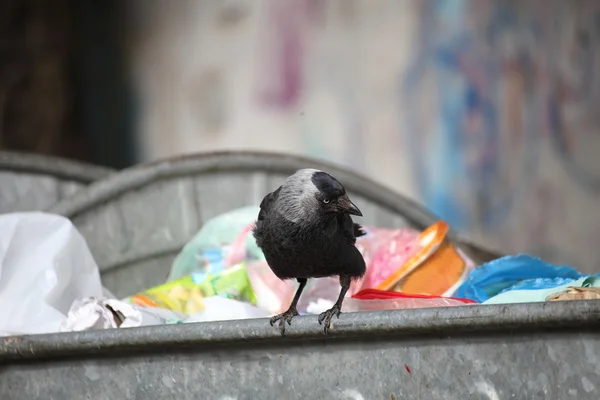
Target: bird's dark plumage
pixel 305 230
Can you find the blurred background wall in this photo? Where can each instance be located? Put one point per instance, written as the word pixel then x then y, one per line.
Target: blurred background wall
pixel 65 80
pixel 486 111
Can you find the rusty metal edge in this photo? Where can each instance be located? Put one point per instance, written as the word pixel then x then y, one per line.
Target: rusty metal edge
pixel 140 175
pixel 52 166
pixel 572 316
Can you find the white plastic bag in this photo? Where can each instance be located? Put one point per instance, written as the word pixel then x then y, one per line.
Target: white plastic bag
pixel 45 265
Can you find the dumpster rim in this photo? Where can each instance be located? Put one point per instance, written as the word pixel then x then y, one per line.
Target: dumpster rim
pixel 223 161
pixel 57 167
pixel 441 322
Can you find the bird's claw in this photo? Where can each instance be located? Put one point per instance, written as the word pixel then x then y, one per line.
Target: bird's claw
pixel 325 317
pixel 283 318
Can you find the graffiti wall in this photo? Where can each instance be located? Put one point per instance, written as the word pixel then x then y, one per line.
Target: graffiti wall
pixel 486 111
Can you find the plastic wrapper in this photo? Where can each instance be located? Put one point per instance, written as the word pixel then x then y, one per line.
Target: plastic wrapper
pixel 384 251
pixel 521 272
pixel 376 300
pixel 576 293
pixel 222 309
pixel 272 294
pixel 218 245
pixel 98 313
pixel 380 300
pixel 45 265
pixel 187 295
pixel 538 295
pixel 355 305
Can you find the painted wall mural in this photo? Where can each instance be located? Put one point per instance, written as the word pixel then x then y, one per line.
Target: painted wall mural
pixel 486 111
pixel 510 83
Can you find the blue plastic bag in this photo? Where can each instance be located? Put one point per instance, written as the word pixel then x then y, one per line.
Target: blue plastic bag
pixel 522 272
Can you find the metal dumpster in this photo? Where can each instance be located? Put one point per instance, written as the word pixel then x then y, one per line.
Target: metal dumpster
pixel 526 351
pixel 32 182
pixel 136 221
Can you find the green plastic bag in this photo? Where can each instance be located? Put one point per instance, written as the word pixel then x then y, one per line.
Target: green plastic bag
pixel 210 250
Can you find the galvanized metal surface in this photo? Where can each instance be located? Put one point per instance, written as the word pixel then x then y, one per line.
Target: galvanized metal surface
pixel 526 351
pixel 31 182
pixel 139 219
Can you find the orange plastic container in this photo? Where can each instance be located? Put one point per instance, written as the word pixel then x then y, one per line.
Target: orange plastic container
pixel 437 269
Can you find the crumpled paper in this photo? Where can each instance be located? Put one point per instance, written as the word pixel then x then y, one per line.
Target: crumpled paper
pixel 45 265
pixel 98 313
pixel 576 293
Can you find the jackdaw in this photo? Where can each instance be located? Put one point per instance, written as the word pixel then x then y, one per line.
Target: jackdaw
pixel 305 231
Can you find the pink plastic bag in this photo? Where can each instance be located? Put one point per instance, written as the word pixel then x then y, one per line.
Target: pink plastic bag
pixel 272 294
pixel 356 305
pixel 378 300
pixel 384 250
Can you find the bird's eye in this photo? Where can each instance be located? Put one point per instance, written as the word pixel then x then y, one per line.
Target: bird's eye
pixel 326 201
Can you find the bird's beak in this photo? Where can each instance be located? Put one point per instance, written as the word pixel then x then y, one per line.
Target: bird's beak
pixel 345 205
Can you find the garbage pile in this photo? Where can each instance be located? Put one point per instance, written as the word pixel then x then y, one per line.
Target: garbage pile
pixel 49 281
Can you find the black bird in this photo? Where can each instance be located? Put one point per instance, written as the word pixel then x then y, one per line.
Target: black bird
pixel 305 231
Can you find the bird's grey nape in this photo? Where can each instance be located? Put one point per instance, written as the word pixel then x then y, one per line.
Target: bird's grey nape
pixel 297 197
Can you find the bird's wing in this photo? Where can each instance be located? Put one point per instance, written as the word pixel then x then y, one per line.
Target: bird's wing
pixel 267 203
pixel 349 229
pixel 359 230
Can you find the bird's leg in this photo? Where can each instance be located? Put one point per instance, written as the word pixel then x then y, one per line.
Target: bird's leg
pixel 336 310
pixel 291 312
